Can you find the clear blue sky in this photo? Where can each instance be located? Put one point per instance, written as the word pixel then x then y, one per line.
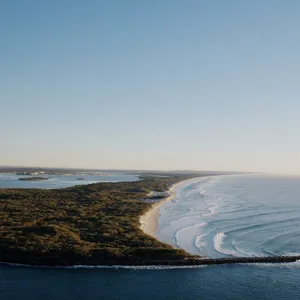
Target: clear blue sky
pixel 160 84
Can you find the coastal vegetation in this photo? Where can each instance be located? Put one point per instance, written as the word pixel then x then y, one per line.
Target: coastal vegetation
pixel 88 224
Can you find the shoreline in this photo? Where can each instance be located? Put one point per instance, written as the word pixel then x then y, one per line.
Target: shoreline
pixel 149 220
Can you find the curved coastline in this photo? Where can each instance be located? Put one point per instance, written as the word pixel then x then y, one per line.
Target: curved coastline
pixel 149 220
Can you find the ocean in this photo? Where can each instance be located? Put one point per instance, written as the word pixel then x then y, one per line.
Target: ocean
pixel 238 215
pixel 247 282
pixel 242 215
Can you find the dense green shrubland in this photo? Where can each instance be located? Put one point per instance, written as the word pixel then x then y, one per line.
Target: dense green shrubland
pixel 87 224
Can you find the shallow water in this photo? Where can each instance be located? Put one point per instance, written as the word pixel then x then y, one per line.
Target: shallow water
pixel 60 181
pixel 239 215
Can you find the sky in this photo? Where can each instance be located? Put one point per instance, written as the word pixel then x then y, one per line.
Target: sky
pixel 160 84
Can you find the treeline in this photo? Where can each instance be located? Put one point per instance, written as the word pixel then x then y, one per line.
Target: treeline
pixel 87 224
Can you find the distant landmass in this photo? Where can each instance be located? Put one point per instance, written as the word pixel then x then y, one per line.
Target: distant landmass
pixel 21 170
pixel 33 178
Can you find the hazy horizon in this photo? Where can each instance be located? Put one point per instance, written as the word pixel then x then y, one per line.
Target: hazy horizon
pixel 159 85
pixel 146 170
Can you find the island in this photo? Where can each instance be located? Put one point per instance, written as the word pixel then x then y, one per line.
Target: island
pixel 95 224
pixel 33 178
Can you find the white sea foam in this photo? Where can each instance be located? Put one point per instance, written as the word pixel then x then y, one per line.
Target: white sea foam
pixel 201 244
pixel 154 267
pixel 293 265
pixel 184 237
pixel 220 239
pixel 212 210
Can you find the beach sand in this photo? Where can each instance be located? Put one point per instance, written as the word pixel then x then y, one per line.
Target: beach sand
pixel 149 220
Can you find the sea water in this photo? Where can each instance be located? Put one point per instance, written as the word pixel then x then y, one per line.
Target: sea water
pixel 226 282
pixel 238 215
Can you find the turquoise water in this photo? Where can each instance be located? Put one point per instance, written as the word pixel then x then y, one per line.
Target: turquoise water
pixel 220 216
pixel 60 181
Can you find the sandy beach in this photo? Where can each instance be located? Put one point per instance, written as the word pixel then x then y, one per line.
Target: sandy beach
pixel 150 218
